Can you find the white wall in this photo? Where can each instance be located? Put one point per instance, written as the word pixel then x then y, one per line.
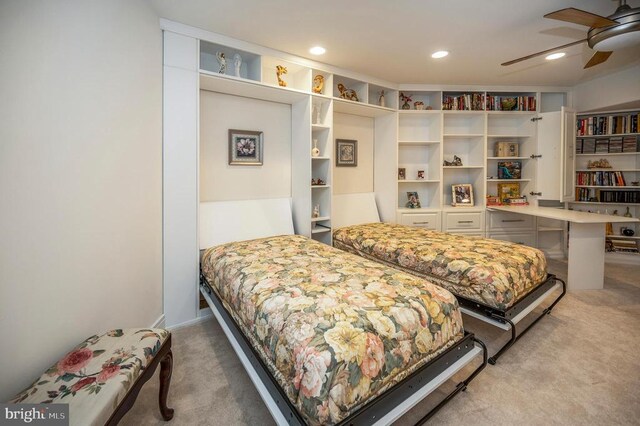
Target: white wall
pixel 80 177
pixel 350 180
pixel 220 181
pixel 612 89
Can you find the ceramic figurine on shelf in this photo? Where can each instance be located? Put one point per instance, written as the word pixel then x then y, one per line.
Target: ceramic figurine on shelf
pixel 315 152
pixel 316 211
pixel 419 105
pixel 348 94
pixel 406 99
pixel 280 70
pixel 237 63
pixel 318 84
pixel 222 61
pixel 602 163
pixel 381 99
pixel 627 213
pixel 457 161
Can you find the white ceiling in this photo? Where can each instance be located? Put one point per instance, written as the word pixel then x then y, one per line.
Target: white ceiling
pixel 393 40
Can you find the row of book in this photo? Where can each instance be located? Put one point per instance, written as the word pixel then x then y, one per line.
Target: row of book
pixel 608 145
pixel 604 196
pixel 608 124
pixel 621 245
pixel 511 103
pixel 600 178
pixel 466 102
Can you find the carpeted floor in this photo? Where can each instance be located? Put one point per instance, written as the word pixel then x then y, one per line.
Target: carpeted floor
pixel 578 366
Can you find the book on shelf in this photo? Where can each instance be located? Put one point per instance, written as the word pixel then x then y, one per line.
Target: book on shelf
pixel 464 102
pixel 630 144
pixel 509 169
pixel 622 197
pixel 607 124
pixel 510 103
pixel 602 146
pixel 615 145
pixel 600 178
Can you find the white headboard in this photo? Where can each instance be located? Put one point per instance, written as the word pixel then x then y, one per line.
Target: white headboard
pixel 226 221
pixel 354 209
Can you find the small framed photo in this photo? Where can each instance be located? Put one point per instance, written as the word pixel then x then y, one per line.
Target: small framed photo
pixel 402 173
pixel 462 194
pixel 420 174
pixel 346 153
pixel 414 200
pixel 245 147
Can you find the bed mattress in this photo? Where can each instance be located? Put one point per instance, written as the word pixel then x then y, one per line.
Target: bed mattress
pixel 334 329
pixel 492 272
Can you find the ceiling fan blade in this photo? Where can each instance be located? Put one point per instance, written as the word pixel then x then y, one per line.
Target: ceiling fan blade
pixel 597 58
pixel 581 17
pixel 533 55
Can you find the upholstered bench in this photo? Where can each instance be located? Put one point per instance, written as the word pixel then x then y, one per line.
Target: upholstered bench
pixel 101 378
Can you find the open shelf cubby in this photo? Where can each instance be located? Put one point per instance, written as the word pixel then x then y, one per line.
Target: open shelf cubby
pixel 297 77
pixel 249 67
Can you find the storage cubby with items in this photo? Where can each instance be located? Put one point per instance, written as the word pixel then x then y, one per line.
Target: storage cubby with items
pixel 277 72
pixel 227 61
pixel 608 172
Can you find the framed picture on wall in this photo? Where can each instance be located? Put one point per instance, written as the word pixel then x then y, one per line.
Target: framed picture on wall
pixel 346 153
pixel 245 147
pixel 462 195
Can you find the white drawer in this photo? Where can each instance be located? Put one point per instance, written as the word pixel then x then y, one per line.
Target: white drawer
pixel 524 238
pixel 458 221
pixel 422 220
pixel 509 221
pixel 467 234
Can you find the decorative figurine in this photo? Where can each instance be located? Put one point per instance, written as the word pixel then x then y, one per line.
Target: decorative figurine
pixel 237 63
pixel 317 181
pixel 316 211
pixel 381 99
pixel 406 99
pixel 627 213
pixel 457 161
pixel 222 61
pixel 419 105
pixel 602 163
pixel 627 232
pixel 316 113
pixel 420 174
pixel 348 94
pixel 318 84
pixel 315 152
pixel 279 71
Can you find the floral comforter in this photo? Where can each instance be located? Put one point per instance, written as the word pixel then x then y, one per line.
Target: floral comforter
pixel 492 272
pixel 336 330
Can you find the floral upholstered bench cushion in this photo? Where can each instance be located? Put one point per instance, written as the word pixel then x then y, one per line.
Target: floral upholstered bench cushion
pixel 95 377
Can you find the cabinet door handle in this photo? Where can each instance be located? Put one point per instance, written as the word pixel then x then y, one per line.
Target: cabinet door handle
pixel 513 220
pixel 420 223
pixel 465 221
pixel 520 242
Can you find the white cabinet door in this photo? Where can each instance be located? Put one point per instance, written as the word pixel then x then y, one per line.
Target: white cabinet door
pixel 556 147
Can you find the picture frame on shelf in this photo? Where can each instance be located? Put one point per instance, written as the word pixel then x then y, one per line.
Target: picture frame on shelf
pixel 413 200
pixel 507 191
pixel 402 173
pixel 506 149
pixel 462 195
pixel 246 147
pixel 346 153
pixel 509 169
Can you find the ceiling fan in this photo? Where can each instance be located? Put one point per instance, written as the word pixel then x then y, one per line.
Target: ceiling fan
pixel 606 34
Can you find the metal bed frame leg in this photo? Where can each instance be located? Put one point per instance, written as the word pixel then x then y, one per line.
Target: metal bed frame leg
pixel 514 336
pixel 462 386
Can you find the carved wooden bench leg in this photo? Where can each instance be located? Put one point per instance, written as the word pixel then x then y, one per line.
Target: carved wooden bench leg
pixel 166 368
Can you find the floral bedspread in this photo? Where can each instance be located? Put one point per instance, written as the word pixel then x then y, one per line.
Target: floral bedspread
pixel 496 273
pixel 336 330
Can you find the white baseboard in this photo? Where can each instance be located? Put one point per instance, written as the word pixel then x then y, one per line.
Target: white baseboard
pixel 159 323
pixel 203 315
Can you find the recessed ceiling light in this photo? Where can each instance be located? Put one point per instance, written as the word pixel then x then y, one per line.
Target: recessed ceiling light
pixel 439 54
pixel 317 50
pixel 555 56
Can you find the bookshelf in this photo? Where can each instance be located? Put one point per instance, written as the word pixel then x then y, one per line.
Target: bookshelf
pixel 612 187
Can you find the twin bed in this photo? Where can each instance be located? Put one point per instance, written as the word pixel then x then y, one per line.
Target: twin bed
pixel 331 337
pixel 498 282
pixel 326 336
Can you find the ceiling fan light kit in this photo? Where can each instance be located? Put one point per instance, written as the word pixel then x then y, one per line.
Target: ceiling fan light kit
pixel 606 34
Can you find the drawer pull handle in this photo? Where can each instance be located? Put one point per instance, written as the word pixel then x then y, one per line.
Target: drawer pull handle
pixel 513 220
pixel 420 223
pixel 465 221
pixel 520 242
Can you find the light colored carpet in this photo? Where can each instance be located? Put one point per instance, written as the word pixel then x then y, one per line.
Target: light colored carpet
pixel 578 366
